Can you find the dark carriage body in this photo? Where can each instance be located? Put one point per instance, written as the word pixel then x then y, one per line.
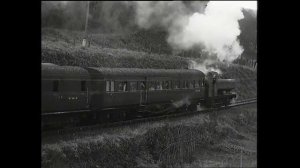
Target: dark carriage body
pixel 81 95
pixel 64 88
pixel 121 87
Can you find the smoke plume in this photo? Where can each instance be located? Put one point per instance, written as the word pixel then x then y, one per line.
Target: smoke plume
pixel 214 25
pixel 204 66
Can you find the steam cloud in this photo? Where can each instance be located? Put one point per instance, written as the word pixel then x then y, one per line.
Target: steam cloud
pixel 214 27
pixel 204 67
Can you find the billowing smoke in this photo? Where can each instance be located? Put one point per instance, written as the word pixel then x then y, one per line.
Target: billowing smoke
pixel 205 66
pixel 214 25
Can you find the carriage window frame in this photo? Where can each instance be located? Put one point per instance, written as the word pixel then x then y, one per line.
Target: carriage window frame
pixel 141 85
pixel 176 83
pixel 135 84
pixel 191 84
pixel 166 85
pixel 151 85
pixel 185 84
pixel 107 86
pixel 196 84
pixel 124 86
pixel 112 86
pixel 158 85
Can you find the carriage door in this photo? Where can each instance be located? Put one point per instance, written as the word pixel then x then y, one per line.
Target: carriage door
pixel 143 91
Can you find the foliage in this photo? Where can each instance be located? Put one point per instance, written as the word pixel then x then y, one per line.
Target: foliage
pixel 173 144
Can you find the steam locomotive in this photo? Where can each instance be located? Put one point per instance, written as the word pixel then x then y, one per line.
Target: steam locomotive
pixel 76 95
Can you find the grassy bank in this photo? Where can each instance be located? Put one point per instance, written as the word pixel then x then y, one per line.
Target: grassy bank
pixel 64 48
pixel 216 139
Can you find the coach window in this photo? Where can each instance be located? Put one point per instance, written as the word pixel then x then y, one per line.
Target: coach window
pixel 107 86
pixel 83 86
pixel 133 86
pixel 125 86
pixel 142 86
pixel 112 86
pixel 184 84
pixel 196 84
pixel 166 85
pixel 176 85
pixel 120 86
pixel 55 86
pixel 191 84
pixel 158 85
pixel 152 85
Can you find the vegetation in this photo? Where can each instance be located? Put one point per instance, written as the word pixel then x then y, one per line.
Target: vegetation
pixel 58 48
pixel 216 139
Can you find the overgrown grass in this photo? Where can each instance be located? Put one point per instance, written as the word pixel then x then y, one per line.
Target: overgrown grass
pixel 175 143
pixel 64 48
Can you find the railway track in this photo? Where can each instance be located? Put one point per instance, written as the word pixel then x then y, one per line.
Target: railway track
pixel 142 120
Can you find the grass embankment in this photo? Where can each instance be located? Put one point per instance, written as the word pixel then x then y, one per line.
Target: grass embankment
pixel 64 48
pixel 246 80
pixel 209 140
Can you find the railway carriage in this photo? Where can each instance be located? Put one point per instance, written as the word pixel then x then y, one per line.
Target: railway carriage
pixel 78 95
pixel 134 89
pixel 64 93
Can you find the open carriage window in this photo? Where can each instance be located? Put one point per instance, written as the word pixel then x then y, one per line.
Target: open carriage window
pixel 142 85
pixel 191 84
pixel 196 84
pixel 107 86
pixel 185 84
pixel 133 86
pixel 166 85
pixel 158 85
pixel 112 86
pixel 122 86
pixel 176 84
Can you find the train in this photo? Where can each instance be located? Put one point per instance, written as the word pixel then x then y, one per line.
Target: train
pixel 73 95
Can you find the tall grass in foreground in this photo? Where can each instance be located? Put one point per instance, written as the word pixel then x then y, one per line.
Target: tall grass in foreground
pixel 173 144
